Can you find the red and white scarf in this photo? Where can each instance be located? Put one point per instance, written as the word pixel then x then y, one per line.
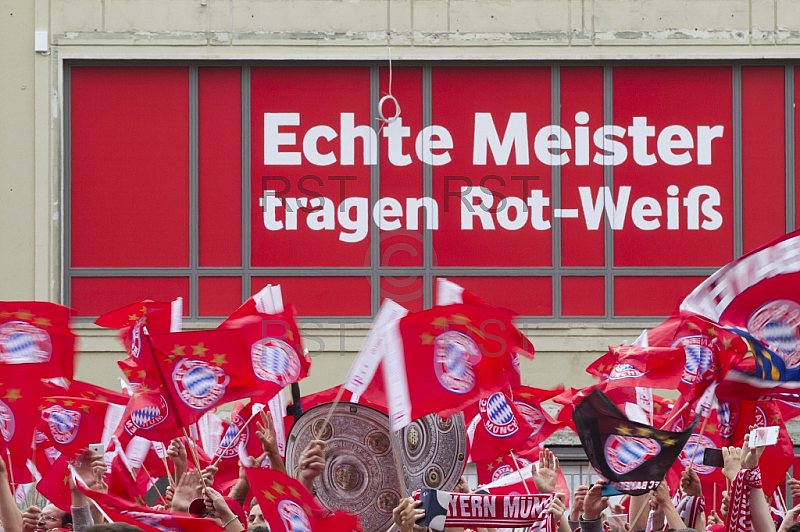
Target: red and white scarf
pixel 739 518
pixel 507 511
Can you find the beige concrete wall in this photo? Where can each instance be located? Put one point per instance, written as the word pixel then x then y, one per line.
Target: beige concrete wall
pixel 31 93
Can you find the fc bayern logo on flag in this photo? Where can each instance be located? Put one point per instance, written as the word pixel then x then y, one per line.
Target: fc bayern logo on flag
pixel 148 416
pixel 699 358
pixel 23 343
pixel 626 453
pixel 692 453
pixel 532 415
pixel 229 446
pixel 500 421
pixel 506 469
pixel 7 423
pixel 63 423
pixel 199 383
pixel 777 325
pixel 624 371
pixel 293 517
pixel 136 339
pixel 454 357
pixel 275 361
pixel 728 417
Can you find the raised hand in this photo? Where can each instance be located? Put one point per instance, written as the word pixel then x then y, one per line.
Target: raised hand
pixel 406 514
pixel 690 483
pixel 594 503
pixel 546 476
pixel 312 463
pixel 750 455
pixel 732 458
pixel 577 502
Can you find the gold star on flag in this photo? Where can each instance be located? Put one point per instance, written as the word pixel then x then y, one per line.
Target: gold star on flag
pixel 278 487
pixel 499 459
pixel 69 402
pixel 644 431
pixel 694 326
pixel 133 317
pixel 85 408
pixel 42 322
pixel 102 398
pixel 66 479
pixel 127 373
pixel 269 496
pixel 440 322
pixel 142 374
pixel 727 343
pixel 290 335
pixel 774 418
pixel 50 400
pixel 306 509
pixel 13 395
pixel 143 310
pixel 657 407
pixel 669 442
pixel 199 349
pixel 294 492
pixel 219 359
pixel 143 389
pixel 525 395
pixel 475 331
pixel 625 431
pixel 178 350
pixel 460 318
pixel 711 429
pixel 24 315
pixel 426 338
pixel 6 314
pixel 712 332
pixel 490 467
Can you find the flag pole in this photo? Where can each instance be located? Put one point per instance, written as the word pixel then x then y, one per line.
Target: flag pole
pixel 780 495
pixel 516 464
pixel 155 486
pixel 397 465
pixel 588 475
pixel 239 433
pixel 166 468
pixel 674 416
pixel 330 411
pixel 697 444
pixel 638 515
pixel 714 498
pixel 11 473
pixel 192 444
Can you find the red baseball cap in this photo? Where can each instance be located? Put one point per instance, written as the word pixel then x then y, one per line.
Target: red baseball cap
pixel 198 508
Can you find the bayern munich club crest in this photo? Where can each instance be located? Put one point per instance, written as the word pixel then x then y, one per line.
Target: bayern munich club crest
pixel 275 361
pixel 229 446
pixel 532 415
pixel 454 357
pixel 777 325
pixel 699 358
pixel 499 420
pixel 63 423
pixel 507 469
pixel 626 453
pixel 148 416
pixel 23 343
pixel 728 417
pixel 293 517
pixel 136 339
pixel 624 371
pixel 7 423
pixel 199 384
pixel 692 453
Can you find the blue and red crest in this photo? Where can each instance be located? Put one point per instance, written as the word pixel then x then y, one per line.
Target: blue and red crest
pixel 199 384
pixel 7 423
pixel 63 423
pixel 626 453
pixel 699 358
pixel 499 419
pixel 532 415
pixel 293 516
pixel 148 416
pixel 777 325
pixel 692 454
pixel 728 418
pixel 229 445
pixel 23 343
pixel 624 371
pixel 454 357
pixel 275 361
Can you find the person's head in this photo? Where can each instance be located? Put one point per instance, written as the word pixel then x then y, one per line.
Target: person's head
pixel 794 528
pixel 53 517
pixel 114 527
pixel 255 518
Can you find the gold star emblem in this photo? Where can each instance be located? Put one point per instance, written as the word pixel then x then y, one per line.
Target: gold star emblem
pixel 712 332
pixel 624 430
pixel 127 372
pixel 525 395
pixel 219 359
pixel 269 496
pixel 142 374
pixel 178 350
pixel 69 402
pixel 133 317
pixel 102 398
pixel 143 310
pixel 199 349
pixel 278 487
pixel 644 431
pixel 440 322
pixel 306 509
pixel 50 400
pixel 711 429
pixel 13 395
pixel 727 343
pixel 426 338
pixel 66 480
pixel 694 326
pixel 290 335
pixel 85 408
pixel 42 322
pixel 143 388
pixel 669 442
pixel 460 319
pixel 489 467
pixel 6 314
pixel 24 315
pixel 294 492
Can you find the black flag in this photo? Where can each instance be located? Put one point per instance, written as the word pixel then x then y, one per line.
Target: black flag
pixel 633 457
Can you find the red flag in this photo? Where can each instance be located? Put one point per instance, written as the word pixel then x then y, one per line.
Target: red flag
pixel 499 476
pixel 706 435
pixel 288 506
pixel 446 358
pixel 73 423
pixel 529 404
pixel 148 415
pixel 19 397
pixel 148 519
pixel 497 429
pixel 779 456
pixel 202 369
pixel 238 438
pixel 54 484
pixel 37 334
pixel 650 367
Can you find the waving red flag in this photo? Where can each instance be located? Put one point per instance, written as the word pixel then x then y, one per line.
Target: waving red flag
pixel 630 365
pixel 37 334
pixel 498 428
pixel 288 506
pixel 529 404
pixel 74 423
pixel 20 390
